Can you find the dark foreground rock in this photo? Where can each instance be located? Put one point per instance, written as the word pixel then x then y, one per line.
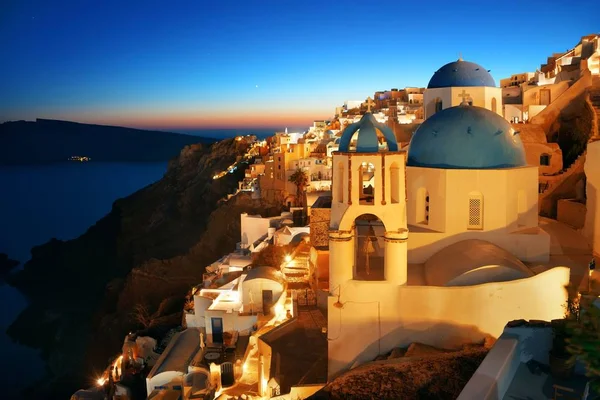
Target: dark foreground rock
pixel 132 269
pixel 6 264
pixel 432 375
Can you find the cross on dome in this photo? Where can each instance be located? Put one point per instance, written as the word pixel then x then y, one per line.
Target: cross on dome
pixel 464 96
pixel 370 103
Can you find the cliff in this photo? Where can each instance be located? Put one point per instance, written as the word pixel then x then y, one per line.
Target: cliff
pixel 43 141
pixel 132 269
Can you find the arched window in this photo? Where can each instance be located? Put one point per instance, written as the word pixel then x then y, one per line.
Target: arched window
pixel 545 159
pixel 395 183
pixel 475 218
pixel 366 184
pixel 340 182
pixel 422 215
pixel 494 105
pixel 521 208
pixel 369 256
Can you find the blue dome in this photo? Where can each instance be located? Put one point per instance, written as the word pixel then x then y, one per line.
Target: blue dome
pixel 461 73
pixel 466 137
pixel 368 141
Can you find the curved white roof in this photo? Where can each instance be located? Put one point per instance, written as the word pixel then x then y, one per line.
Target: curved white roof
pixel 265 273
pixel 473 262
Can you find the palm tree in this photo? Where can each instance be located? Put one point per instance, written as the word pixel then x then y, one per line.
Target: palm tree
pixel 300 179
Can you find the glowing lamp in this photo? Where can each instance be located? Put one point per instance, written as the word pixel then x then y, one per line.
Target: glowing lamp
pixel 101 381
pixel 288 258
pixel 338 304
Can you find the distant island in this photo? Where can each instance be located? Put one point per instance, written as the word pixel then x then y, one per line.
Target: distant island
pixel 46 141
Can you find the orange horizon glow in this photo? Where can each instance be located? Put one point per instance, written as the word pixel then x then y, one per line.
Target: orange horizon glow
pixel 190 121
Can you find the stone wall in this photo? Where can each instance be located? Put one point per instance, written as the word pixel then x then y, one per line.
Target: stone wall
pixel 319 226
pixel 591 229
pixel 571 212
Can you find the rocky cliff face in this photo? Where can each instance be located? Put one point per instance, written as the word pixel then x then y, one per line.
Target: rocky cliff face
pixel 141 258
pixel 43 141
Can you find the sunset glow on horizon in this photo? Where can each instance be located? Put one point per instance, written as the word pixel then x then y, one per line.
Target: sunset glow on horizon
pixel 249 64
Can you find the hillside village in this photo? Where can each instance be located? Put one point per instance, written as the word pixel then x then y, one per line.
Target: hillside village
pixel 423 225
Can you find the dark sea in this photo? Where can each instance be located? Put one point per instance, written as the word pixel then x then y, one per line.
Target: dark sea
pixel 41 202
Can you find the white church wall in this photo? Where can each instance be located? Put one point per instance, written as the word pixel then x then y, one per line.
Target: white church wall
pixel 449 191
pixel 429 97
pixel 521 194
pixel 377 316
pixel 424 182
pixel 509 205
pixel 481 96
pixel 591 229
pixel 528 246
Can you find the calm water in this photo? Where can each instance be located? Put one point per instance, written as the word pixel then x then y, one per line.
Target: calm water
pixel 58 200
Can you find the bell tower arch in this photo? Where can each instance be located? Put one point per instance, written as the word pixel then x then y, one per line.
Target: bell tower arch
pixel 368 226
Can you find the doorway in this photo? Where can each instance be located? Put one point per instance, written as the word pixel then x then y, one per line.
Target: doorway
pixel 217 329
pixel 544 97
pixel 267 300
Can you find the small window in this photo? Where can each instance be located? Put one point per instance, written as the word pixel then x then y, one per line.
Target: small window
pixel 545 159
pixel 422 215
pixel 475 221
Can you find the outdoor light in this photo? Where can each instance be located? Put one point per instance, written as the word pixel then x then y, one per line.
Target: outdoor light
pixel 100 381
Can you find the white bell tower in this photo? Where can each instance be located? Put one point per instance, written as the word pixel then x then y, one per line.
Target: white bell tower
pixel 368 228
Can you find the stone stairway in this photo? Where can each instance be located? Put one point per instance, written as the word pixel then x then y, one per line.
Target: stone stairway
pixel 565 173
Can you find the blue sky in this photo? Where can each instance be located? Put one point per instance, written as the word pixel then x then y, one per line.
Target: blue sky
pixel 175 64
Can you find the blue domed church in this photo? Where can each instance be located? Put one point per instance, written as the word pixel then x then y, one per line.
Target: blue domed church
pixel 467 178
pixel 460 81
pixel 432 245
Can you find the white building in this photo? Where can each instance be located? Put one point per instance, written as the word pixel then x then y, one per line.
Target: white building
pixel 467 152
pixel 350 104
pixel 460 81
pixel 234 307
pixel 176 371
pixel 442 266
